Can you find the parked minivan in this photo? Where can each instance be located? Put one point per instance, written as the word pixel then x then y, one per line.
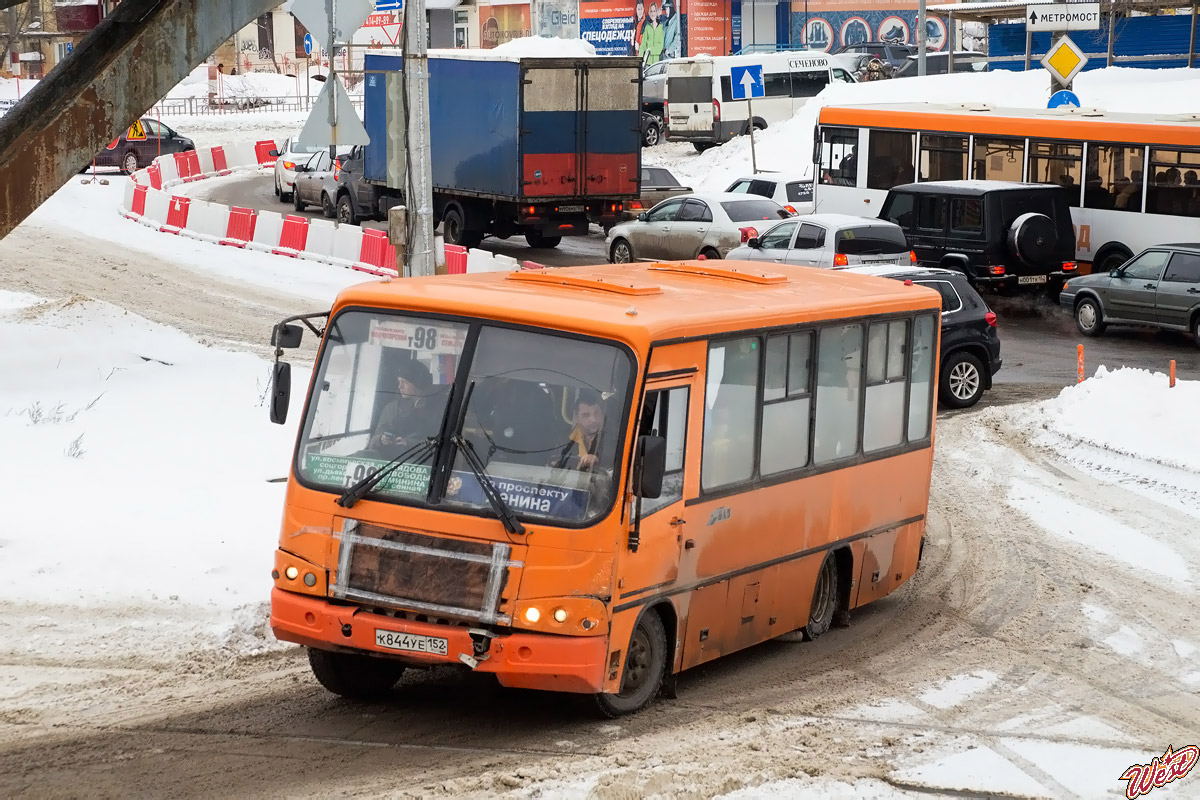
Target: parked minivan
pixel 700 107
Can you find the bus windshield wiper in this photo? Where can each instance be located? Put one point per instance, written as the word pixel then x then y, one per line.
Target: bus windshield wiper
pixel 418 453
pixel 511 523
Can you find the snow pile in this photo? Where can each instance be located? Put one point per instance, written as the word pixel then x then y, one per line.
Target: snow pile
pixel 787 147
pixel 136 462
pixel 1125 412
pixel 13 89
pixel 252 85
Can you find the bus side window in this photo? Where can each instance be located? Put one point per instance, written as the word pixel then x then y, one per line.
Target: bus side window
pixel 730 398
pixel 839 378
pixel 920 390
pixel 838 149
pixel 890 159
pixel 666 413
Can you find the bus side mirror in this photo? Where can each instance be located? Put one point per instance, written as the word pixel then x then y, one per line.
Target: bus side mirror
pixel 281 391
pixel 652 460
pixel 286 337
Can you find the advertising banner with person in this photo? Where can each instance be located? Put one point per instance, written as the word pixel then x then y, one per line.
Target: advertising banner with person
pixel 652 29
pixel 503 23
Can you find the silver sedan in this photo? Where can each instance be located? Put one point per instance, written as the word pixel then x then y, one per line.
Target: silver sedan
pixel 829 241
pixel 692 225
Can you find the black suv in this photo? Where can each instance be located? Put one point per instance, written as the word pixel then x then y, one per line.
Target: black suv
pixel 999 234
pixel 970 353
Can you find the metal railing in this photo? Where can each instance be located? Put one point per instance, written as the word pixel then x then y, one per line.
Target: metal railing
pixel 237 105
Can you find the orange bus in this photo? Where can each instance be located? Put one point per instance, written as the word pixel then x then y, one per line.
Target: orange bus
pixel 590 479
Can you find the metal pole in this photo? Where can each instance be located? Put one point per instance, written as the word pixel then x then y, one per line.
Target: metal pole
pixel 1028 44
pixel 753 157
pixel 921 37
pixel 952 35
pixel 420 201
pixel 1192 39
pixel 1112 16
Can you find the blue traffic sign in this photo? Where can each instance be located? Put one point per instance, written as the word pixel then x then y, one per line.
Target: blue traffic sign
pixel 1063 98
pixel 747 81
pixel 308 44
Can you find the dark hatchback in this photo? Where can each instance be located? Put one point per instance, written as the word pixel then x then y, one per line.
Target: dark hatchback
pixel 970 351
pixel 144 141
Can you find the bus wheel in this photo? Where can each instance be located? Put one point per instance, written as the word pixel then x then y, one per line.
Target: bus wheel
pixel 824 602
pixel 353 676
pixel 645 664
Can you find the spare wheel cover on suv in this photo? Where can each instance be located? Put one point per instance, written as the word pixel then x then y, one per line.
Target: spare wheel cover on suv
pixel 1032 238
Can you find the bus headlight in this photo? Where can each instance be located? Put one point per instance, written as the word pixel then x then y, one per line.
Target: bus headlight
pixel 291 573
pixel 579 616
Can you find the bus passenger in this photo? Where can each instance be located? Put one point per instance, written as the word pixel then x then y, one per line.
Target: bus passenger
pixel 413 414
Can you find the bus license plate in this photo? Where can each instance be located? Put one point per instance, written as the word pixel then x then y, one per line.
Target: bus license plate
pixel 570 209
pixel 1031 279
pixel 411 642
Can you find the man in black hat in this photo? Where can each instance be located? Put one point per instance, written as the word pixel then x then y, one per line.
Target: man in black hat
pixel 413 415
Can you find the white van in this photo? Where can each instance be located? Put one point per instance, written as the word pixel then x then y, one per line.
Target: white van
pixel 700 107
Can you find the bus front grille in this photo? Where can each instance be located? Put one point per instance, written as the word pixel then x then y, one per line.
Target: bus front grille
pixel 431 575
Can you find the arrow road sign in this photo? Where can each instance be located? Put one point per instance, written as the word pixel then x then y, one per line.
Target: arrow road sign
pixel 747 81
pixel 1063 17
pixel 308 44
pixel 1063 98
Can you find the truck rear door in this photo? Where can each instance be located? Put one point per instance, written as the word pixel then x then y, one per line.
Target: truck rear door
pixel 612 135
pixel 690 100
pixel 550 131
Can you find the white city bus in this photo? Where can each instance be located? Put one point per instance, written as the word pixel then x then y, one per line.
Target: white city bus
pixel 1135 178
pixel 700 107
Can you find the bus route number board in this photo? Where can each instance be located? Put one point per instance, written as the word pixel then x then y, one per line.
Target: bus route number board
pixel 434 339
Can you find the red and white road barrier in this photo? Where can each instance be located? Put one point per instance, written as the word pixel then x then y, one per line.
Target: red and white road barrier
pixel 149 199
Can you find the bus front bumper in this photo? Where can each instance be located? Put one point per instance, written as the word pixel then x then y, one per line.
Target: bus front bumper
pixel 519 659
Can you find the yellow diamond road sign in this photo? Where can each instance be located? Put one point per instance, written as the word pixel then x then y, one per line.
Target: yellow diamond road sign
pixel 1064 60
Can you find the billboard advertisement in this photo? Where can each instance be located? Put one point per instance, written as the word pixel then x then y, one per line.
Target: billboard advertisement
pixel 832 24
pixel 709 28
pixel 502 23
pixel 654 29
pixel 557 19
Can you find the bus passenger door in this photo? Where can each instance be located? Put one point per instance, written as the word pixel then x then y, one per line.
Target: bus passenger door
pixel 654 567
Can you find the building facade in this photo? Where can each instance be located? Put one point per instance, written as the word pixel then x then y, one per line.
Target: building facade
pixel 38 34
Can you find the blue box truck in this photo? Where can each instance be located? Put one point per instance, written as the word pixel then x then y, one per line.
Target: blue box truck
pixel 519 145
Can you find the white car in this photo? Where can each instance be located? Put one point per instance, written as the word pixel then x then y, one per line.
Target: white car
pixel 692 225
pixel 792 190
pixel 286 160
pixel 829 241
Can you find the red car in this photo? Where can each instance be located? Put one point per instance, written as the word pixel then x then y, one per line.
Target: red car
pixel 135 148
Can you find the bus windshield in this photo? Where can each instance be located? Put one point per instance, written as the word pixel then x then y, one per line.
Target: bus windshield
pixel 543 414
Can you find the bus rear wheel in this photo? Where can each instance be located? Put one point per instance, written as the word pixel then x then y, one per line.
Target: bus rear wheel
pixel 824 602
pixel 645 665
pixel 356 677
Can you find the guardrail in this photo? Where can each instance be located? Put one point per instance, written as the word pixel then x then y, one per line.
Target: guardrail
pixel 237 105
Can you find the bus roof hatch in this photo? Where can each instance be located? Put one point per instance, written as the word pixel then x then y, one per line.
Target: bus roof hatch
pixel 555 278
pixel 726 273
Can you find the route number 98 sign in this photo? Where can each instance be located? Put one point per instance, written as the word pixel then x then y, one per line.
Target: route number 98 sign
pixel 425 338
